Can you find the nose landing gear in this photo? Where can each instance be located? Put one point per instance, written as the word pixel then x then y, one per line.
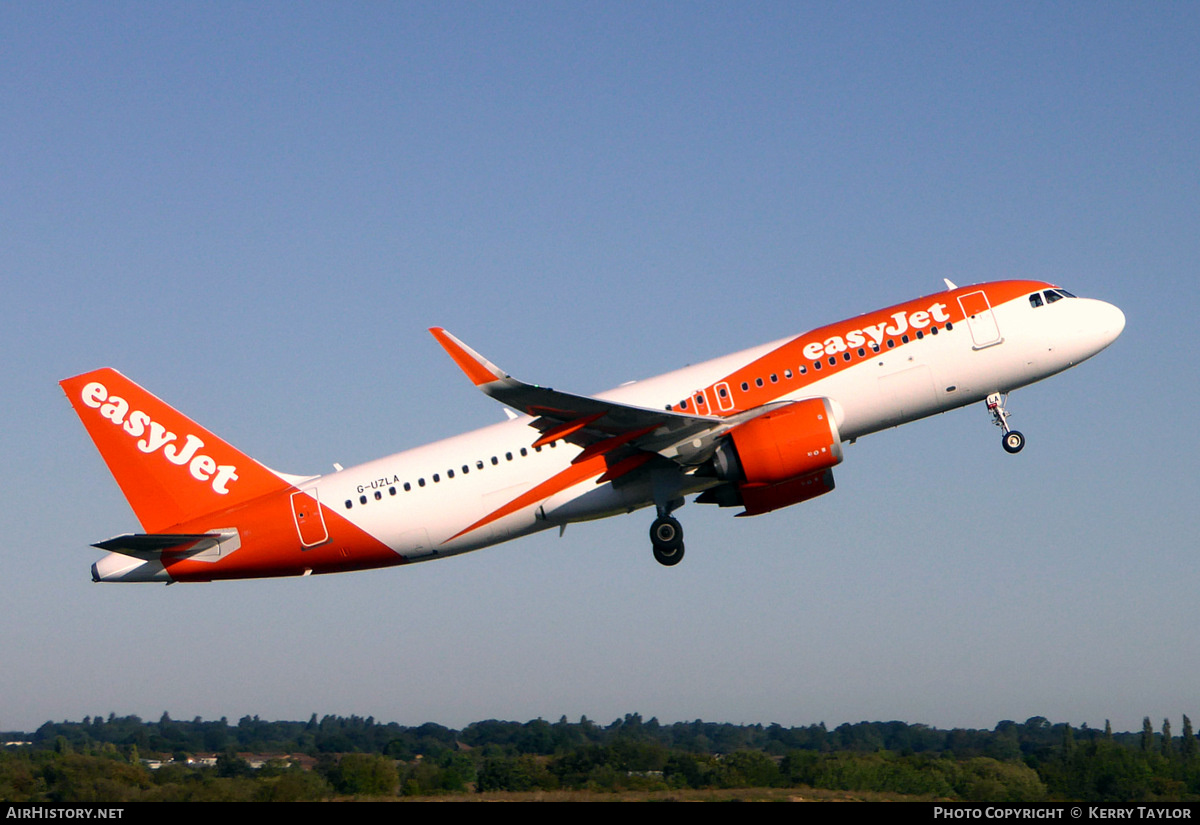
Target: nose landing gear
pixel 1012 441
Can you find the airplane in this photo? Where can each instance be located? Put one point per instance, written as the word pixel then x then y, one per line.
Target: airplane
pixel 759 429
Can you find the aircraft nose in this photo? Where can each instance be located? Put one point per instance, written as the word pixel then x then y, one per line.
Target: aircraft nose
pixel 1110 322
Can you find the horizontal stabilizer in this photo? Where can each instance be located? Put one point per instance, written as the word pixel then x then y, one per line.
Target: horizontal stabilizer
pixel 150 546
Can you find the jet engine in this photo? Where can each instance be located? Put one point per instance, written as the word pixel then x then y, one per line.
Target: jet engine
pixel 782 457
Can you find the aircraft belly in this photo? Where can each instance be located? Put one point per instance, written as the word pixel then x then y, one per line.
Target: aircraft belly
pixel 588 501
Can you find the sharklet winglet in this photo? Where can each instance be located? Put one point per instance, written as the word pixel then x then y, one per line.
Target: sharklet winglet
pixel 480 370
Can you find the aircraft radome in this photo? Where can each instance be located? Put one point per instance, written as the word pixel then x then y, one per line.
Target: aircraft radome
pixel 758 430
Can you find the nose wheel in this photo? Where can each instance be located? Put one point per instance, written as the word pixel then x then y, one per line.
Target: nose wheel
pixel 1013 441
pixel 666 537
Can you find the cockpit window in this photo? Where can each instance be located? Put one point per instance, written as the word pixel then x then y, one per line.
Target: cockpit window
pixel 1050 295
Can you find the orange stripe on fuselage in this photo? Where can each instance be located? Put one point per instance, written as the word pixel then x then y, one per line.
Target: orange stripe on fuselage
pixel 849 336
pixel 569 477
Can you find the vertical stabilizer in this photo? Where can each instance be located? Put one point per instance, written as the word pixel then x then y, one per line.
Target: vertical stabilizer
pixel 169 467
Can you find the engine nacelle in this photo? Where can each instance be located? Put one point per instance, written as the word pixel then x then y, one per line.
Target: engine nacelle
pixel 780 458
pixel 783 444
pixel 763 498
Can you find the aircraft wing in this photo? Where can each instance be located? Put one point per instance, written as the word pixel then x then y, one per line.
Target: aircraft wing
pixel 597 425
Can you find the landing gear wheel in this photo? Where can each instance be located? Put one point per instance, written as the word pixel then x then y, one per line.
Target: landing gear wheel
pixel 1013 442
pixel 668 556
pixel 666 535
pixel 666 531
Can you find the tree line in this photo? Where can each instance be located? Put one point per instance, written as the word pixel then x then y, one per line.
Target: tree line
pixel 102 759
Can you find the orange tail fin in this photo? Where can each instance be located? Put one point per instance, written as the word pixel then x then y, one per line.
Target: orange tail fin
pixel 169 467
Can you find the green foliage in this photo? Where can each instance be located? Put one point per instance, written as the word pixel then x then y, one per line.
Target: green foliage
pixel 365 774
pixel 230 765
pixel 986 780
pixel 746 769
pixel 97 760
pixel 78 779
pixel 978 779
pixel 449 774
pixel 293 785
pixel 520 773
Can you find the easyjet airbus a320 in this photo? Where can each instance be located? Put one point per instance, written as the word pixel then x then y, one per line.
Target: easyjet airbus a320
pixel 759 430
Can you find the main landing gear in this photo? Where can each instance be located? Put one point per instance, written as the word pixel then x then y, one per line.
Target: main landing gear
pixel 666 536
pixel 666 533
pixel 1013 441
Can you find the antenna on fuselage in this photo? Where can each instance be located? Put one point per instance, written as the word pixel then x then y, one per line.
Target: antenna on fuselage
pixel 950 284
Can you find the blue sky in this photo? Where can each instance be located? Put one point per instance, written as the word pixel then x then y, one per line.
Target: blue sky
pixel 256 211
